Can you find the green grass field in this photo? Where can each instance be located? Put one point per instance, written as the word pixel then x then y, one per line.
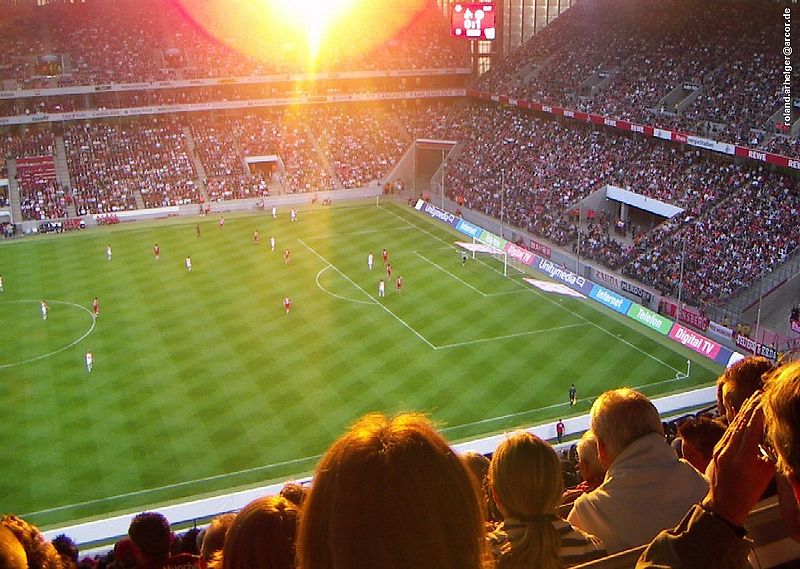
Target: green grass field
pixel 202 383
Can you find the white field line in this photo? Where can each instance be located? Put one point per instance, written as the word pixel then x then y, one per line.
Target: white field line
pixel 465 283
pixel 301 460
pixel 565 404
pixel 374 300
pixel 58 351
pixel 548 299
pixel 323 289
pixel 172 486
pixel 517 335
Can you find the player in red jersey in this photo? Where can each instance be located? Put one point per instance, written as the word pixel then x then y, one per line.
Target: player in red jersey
pixel 221 222
pixel 287 256
pixel 157 251
pixel 385 255
pixel 399 285
pixel 256 237
pixel 287 304
pixel 389 272
pixel 95 307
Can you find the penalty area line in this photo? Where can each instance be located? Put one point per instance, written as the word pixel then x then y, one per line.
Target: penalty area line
pixel 374 300
pixel 507 336
pixel 465 283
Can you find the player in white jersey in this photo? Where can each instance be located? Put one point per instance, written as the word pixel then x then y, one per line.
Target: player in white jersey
pixel 370 258
pixel 274 212
pixel 294 214
pixel 45 308
pixel 1 284
pixel 272 243
pixel 381 288
pixel 189 264
pixel 108 252
pixel 89 361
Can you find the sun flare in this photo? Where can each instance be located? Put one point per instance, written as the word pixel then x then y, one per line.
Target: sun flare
pixel 313 33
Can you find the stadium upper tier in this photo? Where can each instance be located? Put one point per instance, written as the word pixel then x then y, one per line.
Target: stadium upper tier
pixel 704 67
pixel 124 41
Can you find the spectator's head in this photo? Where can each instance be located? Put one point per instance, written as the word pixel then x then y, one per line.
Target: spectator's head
pixel 699 436
pixel 527 483
pixel 739 382
pixel 66 549
pixel 151 536
pixel 214 536
pixel 187 543
pixel 478 465
pixel 125 554
pixel 37 551
pixel 295 492
pixel 589 465
pixel 262 536
pixel 391 493
pixel 12 554
pixel 620 417
pixel 782 420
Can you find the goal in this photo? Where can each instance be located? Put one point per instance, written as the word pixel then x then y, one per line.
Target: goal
pixel 490 256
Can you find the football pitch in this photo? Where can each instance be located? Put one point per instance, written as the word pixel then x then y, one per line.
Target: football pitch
pixel 202 383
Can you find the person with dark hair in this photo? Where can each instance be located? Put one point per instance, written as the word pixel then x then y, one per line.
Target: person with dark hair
pixel 739 382
pixel 262 536
pixel 67 549
pixel 646 487
pixel 391 493
pixel 152 537
pixel 39 553
pixel 699 436
pixel 125 554
pixel 526 481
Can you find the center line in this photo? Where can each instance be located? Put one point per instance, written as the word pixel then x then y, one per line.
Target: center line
pixel 374 300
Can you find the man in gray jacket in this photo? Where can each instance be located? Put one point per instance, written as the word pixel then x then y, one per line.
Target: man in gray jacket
pixel 646 487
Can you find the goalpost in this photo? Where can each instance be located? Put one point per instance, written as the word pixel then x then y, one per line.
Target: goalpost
pixel 478 249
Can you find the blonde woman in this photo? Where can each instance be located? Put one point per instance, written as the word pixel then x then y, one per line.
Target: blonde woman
pixel 526 481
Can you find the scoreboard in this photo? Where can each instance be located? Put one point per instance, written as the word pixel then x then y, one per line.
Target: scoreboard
pixel 473 20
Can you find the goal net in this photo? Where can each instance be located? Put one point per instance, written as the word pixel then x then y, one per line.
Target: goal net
pixel 489 255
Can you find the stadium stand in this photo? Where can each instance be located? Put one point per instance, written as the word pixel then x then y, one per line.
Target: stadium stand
pixel 113 165
pixel 682 48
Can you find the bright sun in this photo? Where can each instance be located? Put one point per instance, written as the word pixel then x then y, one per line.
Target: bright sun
pixel 314 17
pixel 312 33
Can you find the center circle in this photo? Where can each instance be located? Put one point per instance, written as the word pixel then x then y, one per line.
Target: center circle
pixel 26 337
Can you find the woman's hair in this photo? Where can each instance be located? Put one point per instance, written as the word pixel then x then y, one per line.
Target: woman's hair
pixel 214 535
pixel 391 493
pixel 262 536
pixel 527 483
pixel 782 416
